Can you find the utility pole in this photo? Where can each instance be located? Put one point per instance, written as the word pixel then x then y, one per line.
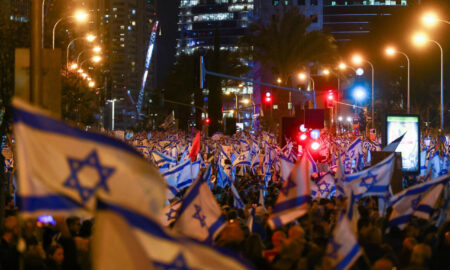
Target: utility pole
pixel 36 52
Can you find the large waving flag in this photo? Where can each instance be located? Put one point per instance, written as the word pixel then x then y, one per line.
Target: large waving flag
pixel 163 162
pixel 285 168
pixel 243 159
pixel 64 170
pixel 195 147
pixel 294 197
pixel 199 216
pixel 124 239
pixel 343 248
pixel 326 186
pixel 352 153
pixel 418 200
pixel 238 204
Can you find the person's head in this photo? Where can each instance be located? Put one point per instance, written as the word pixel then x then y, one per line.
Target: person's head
pixel 74 225
pixel 383 264
pixel 11 229
pixel 296 232
pixel 56 253
pixel 277 238
pixel 421 255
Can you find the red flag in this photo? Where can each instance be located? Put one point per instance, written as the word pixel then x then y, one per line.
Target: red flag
pixel 195 147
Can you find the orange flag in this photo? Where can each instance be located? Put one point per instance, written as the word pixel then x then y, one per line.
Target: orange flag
pixel 195 147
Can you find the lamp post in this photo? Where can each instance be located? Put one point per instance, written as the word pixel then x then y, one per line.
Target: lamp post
pixel 358 60
pixel 89 38
pixel 391 51
pixel 96 49
pixel 430 19
pixel 112 101
pixel 420 39
pixel 79 16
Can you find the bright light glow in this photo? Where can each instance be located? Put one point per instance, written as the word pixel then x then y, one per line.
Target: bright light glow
pixel 90 38
pixel 340 118
pixel 241 85
pixel 80 70
pixel 359 93
pixel 96 58
pixel 279 80
pixel 81 16
pixel 342 66
pixel 390 51
pixel 430 19
pixel 349 119
pixel 359 71
pixel 232 111
pixel 315 134
pixel 420 39
pixel 303 137
pixel 227 93
pixel 91 84
pixel 73 66
pixel 302 128
pixel 245 101
pixel 268 99
pixel 326 72
pixel 267 94
pixel 302 76
pixel 84 75
pixel 97 49
pixel 357 59
pixel 315 146
pixel 88 79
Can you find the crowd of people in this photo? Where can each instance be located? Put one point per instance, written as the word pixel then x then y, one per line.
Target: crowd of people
pixel 64 243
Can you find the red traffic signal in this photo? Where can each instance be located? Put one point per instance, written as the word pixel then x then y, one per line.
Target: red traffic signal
pixel 315 146
pixel 331 98
pixel 268 97
pixel 207 121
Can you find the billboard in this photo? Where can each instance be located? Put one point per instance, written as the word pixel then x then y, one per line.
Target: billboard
pixel 396 126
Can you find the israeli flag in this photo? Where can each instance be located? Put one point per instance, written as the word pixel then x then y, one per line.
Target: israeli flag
pixel 163 162
pixel 435 165
pixel 423 166
pixel 124 239
pixel 182 175
pixel 223 179
pixel 418 200
pixel 243 159
pixel 169 213
pixel 325 186
pixel 343 248
pixel 286 168
pixel 63 170
pixel 294 197
pixel 199 216
pixel 353 150
pixel 374 181
pixel 340 180
pixel 238 204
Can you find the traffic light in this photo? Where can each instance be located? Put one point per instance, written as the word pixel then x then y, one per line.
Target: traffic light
pixel 331 98
pixel 207 120
pixel 268 98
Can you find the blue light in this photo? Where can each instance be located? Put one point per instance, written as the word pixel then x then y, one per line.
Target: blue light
pixel 315 134
pixel 359 93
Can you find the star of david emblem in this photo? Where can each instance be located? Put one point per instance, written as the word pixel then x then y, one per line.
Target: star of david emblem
pixel 179 263
pixel 324 187
pixel 368 180
pixel 169 214
pixel 334 246
pixel 197 215
pixel 92 161
pixel 289 184
pixel 415 202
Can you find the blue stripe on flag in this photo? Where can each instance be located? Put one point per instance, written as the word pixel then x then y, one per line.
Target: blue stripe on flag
pixel 399 220
pixel 291 203
pixel 345 262
pixel 48 124
pixel 49 202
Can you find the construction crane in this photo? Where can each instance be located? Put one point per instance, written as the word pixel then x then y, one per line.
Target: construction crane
pixel 148 59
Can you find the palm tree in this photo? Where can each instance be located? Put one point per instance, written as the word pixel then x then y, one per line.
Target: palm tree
pixel 284 45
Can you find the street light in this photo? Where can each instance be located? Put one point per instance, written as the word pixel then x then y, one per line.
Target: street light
pixel 91 84
pixel 326 72
pixel 73 66
pixel 96 58
pixel 89 38
pixel 390 51
pixel 420 39
pixel 279 80
pixel 342 66
pixel 79 16
pixel 358 60
pixel 80 70
pixel 245 101
pixel 302 76
pixel 430 19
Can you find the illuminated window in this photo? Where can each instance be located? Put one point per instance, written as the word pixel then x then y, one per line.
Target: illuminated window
pixel 275 2
pixel 133 23
pixel 122 27
pixel 213 17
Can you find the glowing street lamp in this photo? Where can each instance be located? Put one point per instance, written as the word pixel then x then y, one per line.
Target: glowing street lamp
pixel 89 38
pixel 342 66
pixel 80 70
pixel 91 84
pixel 420 39
pixel 302 76
pixel 73 66
pixel 79 16
pixel 245 101
pixel 279 80
pixel 96 58
pixel 390 51
pixel 97 49
pixel 358 60
pixel 430 19
pixel 326 72
pixel 84 75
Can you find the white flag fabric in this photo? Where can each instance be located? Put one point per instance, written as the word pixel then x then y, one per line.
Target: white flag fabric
pixel 182 175
pixel 418 200
pixel 199 216
pixel 243 159
pixel 343 248
pixel 238 204
pixel 169 214
pixel 62 169
pixel 286 168
pixel 326 186
pixel 162 250
pixel 294 197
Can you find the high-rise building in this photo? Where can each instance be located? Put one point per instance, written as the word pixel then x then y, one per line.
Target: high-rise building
pixel 124 32
pixel 347 20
